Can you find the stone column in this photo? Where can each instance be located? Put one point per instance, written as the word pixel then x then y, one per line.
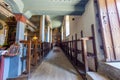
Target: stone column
pixel 20 31
pixel 51 35
pixel 48 34
pixel 21 23
pixel 42 28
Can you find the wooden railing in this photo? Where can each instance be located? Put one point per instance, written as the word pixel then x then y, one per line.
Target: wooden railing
pixel 35 49
pixel 72 50
pixel 46 47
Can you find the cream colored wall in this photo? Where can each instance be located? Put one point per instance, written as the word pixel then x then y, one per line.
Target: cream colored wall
pixel 83 23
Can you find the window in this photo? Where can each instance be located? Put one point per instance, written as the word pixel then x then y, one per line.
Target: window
pixel 67 25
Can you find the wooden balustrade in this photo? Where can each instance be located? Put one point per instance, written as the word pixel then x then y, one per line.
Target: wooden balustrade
pixel 39 50
pixel 72 50
pixel 46 47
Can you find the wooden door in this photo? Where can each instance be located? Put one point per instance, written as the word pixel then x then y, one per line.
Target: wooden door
pixel 110 18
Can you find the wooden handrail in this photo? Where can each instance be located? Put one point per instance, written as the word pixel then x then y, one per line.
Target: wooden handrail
pixel 45 48
pixel 72 51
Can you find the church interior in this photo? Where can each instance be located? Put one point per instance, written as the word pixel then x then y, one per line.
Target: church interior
pixel 59 39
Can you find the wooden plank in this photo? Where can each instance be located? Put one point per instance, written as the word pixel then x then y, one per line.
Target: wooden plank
pixel 108 46
pixel 115 28
pixel 117 3
pixel 5 11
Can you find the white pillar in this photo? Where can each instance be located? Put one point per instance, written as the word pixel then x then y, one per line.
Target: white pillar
pixel 20 31
pixel 42 26
pixel 48 34
pixel 20 36
pixel 21 23
pixel 51 35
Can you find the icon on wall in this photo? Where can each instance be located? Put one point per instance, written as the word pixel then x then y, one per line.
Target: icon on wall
pixel 1 26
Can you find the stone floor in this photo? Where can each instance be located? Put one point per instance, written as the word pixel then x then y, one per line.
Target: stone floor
pixel 55 67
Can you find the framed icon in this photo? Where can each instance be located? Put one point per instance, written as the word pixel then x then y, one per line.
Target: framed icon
pixel 1 26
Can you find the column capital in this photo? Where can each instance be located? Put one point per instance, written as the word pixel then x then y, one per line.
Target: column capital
pixel 20 17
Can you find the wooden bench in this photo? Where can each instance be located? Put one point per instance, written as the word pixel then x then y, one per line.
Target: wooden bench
pixel 13 50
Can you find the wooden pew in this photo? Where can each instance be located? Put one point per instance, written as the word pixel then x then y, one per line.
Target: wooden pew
pixel 28 55
pixel 72 50
pixel 43 49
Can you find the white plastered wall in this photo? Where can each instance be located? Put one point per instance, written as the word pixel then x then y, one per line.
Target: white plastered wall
pixel 83 23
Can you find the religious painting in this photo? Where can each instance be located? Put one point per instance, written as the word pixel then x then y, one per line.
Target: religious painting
pixel 3 33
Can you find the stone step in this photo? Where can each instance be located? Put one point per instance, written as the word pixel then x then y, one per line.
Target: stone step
pixel 110 69
pixel 23 77
pixel 95 76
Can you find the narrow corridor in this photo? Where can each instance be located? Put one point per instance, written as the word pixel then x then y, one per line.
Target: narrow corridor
pixel 55 66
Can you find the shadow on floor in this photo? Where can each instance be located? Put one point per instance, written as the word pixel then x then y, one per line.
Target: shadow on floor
pixel 58 59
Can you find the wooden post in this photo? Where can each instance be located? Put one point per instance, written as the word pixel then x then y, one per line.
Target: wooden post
pixel 81 46
pixel 72 48
pixel 94 47
pixel 76 49
pixel 42 49
pixel 28 58
pixel 28 55
pixel 35 54
pixel 65 47
pixel 84 45
pixel 68 48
